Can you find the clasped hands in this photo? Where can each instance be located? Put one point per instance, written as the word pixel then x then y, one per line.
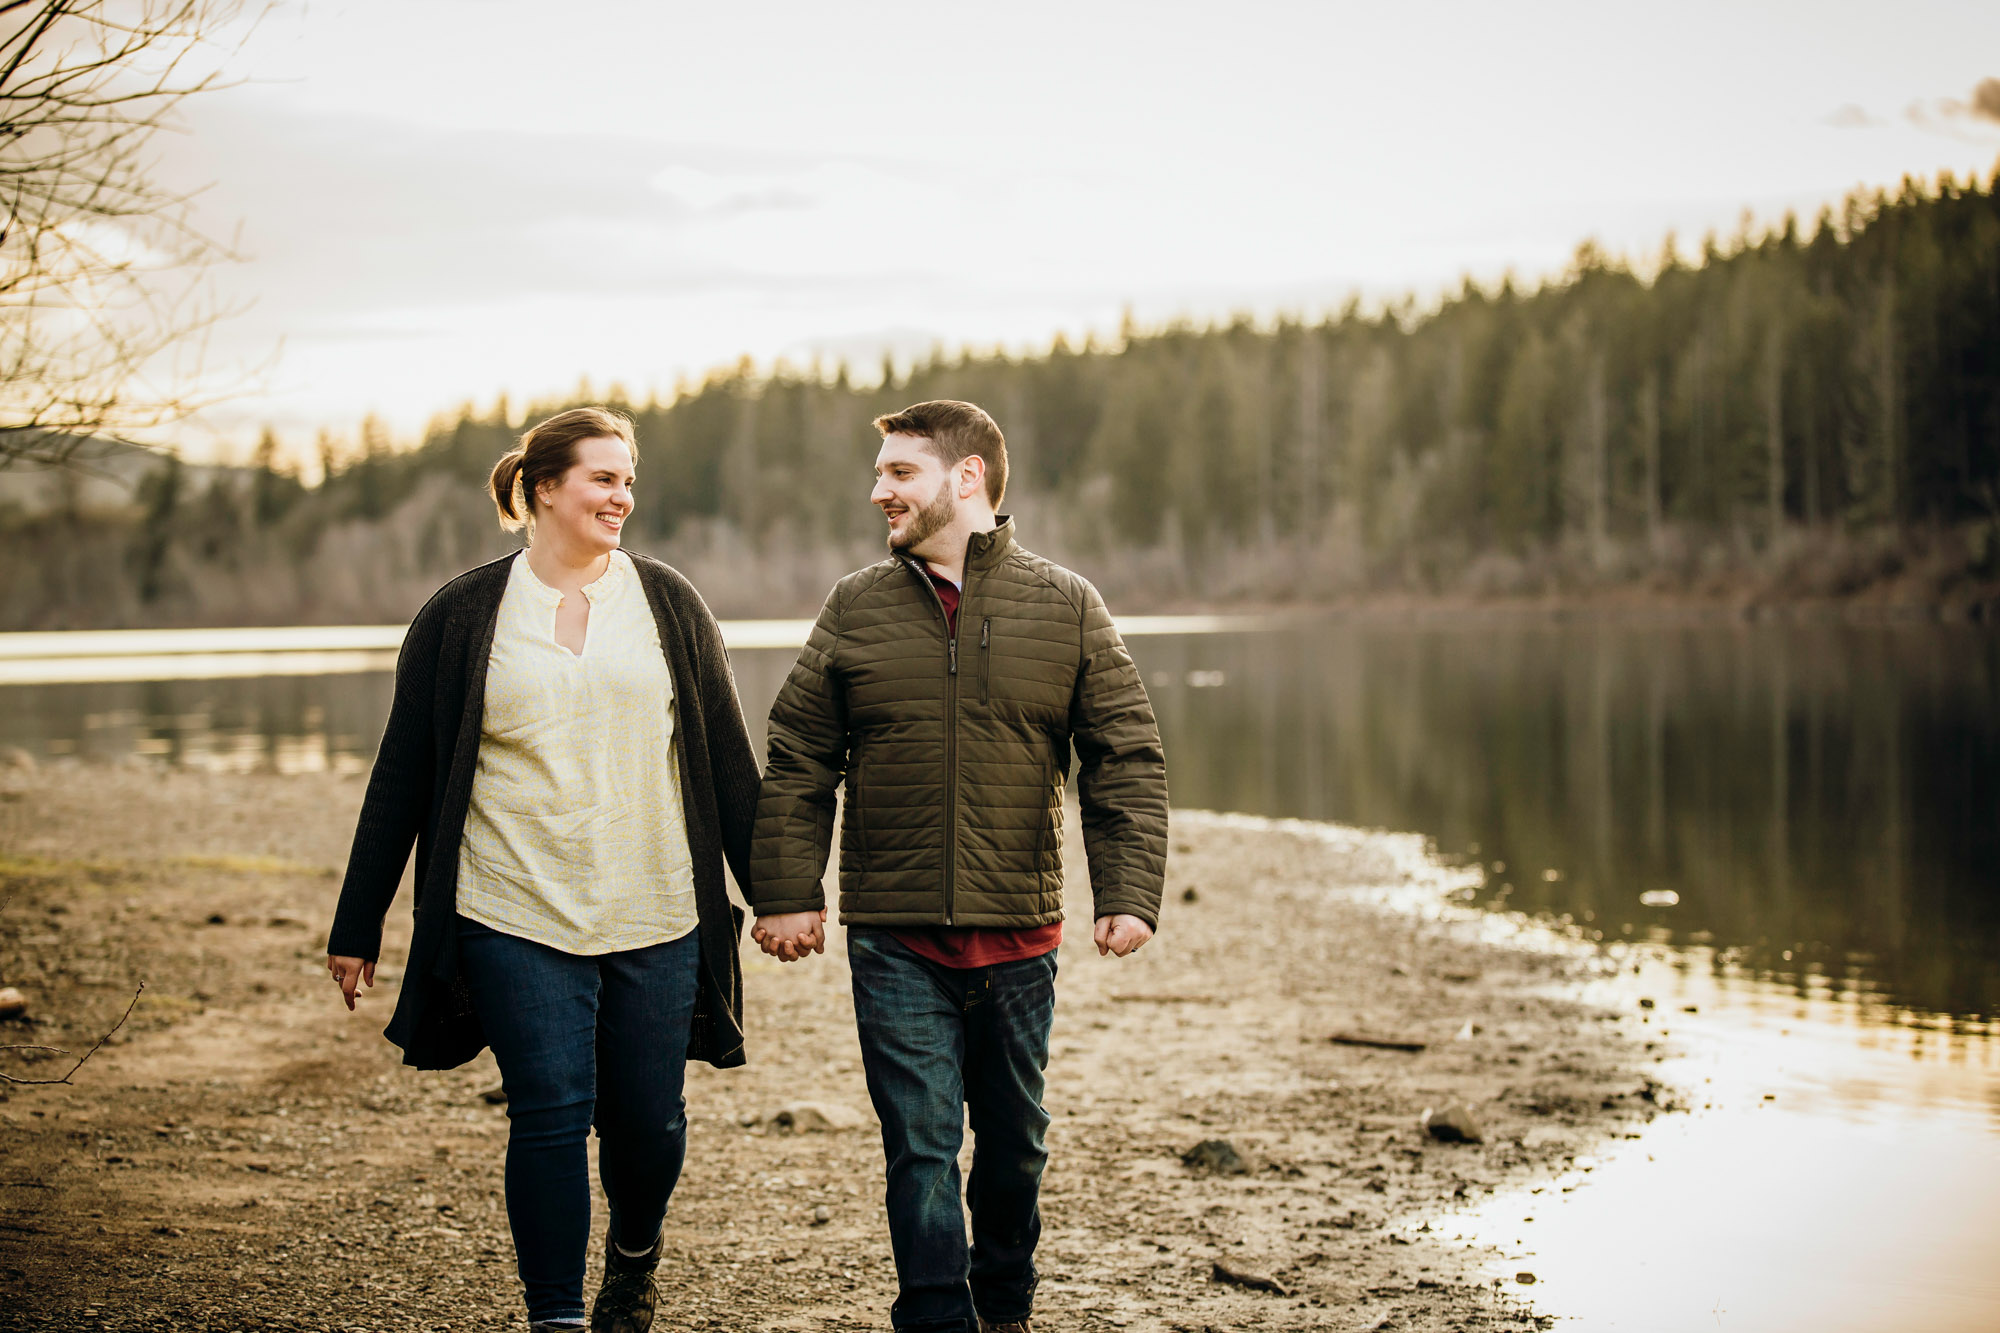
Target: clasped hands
pixel 790 936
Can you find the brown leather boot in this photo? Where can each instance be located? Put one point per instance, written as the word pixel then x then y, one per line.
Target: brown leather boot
pixel 1015 1326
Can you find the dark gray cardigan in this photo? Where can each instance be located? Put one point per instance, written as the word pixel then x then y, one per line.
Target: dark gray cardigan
pixel 422 783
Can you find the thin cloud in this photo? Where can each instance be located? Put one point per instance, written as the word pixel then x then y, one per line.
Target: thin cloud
pixel 1950 115
pixel 1851 117
pixel 349 217
pixel 712 192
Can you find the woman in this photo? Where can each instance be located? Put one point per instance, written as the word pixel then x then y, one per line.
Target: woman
pixel 566 753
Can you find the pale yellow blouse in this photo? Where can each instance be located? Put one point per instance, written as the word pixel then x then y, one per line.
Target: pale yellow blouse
pixel 576 837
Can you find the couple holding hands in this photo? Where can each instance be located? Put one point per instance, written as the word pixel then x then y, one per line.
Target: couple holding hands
pixel 566 754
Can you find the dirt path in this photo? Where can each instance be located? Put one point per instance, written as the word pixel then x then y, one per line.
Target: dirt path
pixel 246 1155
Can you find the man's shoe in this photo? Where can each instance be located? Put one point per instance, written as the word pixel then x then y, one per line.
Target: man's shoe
pixel 1016 1326
pixel 626 1301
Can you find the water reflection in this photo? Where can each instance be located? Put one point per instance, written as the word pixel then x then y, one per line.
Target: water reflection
pixel 1818 804
pixel 286 724
pixel 1870 1143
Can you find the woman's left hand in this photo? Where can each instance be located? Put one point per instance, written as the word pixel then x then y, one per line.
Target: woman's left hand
pixel 350 973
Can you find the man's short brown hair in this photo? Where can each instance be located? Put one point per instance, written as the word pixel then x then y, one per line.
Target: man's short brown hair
pixel 955 431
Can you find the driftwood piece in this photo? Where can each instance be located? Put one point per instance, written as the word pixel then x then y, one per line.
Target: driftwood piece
pixel 1238 1277
pixel 1376 1043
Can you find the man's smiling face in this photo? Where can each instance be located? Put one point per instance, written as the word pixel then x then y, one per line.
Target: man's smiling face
pixel 914 491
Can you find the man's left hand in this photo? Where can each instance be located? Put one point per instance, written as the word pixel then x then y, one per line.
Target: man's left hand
pixel 1120 934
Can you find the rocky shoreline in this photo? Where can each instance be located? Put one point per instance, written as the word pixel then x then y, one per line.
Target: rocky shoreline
pixel 245 1154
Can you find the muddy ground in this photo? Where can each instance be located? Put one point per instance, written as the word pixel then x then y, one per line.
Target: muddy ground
pixel 244 1154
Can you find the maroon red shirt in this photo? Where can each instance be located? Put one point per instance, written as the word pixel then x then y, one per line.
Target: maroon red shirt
pixel 973 946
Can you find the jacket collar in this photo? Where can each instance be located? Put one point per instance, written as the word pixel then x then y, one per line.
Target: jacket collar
pixel 987 549
pixel 984 551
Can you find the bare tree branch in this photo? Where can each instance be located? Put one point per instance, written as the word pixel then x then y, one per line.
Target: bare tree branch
pixel 43 1082
pixel 104 306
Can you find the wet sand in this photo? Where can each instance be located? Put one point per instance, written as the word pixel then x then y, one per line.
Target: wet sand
pixel 245 1154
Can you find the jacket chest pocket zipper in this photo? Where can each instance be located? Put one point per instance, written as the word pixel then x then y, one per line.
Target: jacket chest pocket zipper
pixel 986 661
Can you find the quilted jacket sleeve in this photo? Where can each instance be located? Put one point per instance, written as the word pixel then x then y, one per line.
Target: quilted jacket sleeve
pixel 808 755
pixel 1121 778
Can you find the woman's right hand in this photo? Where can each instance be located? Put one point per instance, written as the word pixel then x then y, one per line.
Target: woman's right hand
pixel 349 974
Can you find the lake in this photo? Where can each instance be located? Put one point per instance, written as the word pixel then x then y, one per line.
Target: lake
pixel 1817 807
pixel 1784 834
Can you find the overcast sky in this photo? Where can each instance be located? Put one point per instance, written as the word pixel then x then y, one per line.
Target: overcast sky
pixel 444 199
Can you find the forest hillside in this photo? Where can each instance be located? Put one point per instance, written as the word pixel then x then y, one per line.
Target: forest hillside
pixel 1808 412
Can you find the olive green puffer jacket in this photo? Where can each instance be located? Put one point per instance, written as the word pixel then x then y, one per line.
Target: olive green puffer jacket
pixel 955 752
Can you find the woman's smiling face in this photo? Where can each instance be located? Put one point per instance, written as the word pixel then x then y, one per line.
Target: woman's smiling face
pixel 589 505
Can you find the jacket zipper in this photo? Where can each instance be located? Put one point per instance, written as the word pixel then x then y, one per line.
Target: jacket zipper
pixel 950 734
pixel 860 795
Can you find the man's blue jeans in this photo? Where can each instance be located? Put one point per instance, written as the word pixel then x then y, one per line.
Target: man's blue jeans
pixel 580 1040
pixel 936 1042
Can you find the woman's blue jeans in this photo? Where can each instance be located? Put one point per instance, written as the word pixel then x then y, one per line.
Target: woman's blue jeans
pixel 938 1043
pixel 584 1040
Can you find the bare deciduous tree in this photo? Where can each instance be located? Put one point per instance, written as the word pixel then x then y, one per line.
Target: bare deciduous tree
pixel 103 307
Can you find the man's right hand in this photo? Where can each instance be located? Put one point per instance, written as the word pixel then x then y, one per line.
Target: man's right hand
pixel 790 936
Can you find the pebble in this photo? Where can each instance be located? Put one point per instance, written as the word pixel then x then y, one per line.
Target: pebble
pixel 1454 1123
pixel 816 1117
pixel 1218 1156
pixel 13 1004
pixel 822 1215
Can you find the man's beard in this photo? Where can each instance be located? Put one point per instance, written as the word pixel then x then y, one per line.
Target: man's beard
pixel 927 522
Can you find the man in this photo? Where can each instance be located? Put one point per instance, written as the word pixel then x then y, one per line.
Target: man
pixel 946 684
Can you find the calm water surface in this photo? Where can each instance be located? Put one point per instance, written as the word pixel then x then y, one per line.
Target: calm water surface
pixel 1818 807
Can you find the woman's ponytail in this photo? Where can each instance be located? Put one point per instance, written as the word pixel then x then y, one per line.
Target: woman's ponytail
pixel 506 485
